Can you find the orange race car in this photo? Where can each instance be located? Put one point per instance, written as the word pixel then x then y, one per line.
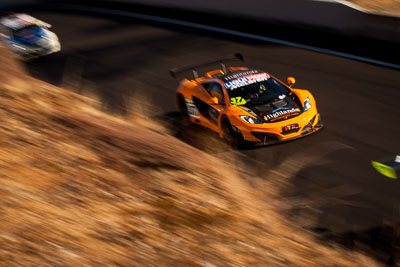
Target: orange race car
pixel 246 106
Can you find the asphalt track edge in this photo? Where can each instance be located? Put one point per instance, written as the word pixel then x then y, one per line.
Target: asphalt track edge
pixel 235 33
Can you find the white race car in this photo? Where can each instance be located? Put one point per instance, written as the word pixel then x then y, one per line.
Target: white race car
pixel 28 36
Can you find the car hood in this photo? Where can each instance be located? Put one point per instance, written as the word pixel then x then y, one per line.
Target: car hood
pixel 282 108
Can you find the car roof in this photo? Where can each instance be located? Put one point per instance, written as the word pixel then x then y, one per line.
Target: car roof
pixel 230 76
pixel 18 21
pixel 236 75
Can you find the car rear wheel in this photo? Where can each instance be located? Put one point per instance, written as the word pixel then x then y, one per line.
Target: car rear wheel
pixel 184 115
pixel 182 105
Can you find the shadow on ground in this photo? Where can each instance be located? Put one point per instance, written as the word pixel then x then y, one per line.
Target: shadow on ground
pixel 195 135
pixel 340 211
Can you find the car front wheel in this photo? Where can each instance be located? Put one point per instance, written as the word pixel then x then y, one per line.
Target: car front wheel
pixel 232 135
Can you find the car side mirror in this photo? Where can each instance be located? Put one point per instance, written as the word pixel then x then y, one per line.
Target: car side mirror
pixel 215 100
pixel 291 81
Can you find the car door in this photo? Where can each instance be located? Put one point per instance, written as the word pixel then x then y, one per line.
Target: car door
pixel 211 110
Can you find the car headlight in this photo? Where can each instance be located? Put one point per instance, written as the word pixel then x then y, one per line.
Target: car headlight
pixel 307 104
pixel 251 120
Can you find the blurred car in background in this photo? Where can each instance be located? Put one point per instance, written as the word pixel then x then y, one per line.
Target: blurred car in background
pixel 246 106
pixel 27 36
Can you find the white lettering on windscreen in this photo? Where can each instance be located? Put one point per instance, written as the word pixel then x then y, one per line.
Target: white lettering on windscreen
pixel 243 81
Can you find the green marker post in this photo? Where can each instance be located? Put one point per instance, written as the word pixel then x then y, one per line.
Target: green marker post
pixel 389 168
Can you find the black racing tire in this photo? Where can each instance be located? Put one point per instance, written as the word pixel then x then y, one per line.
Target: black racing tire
pixel 182 105
pixel 232 135
pixel 184 115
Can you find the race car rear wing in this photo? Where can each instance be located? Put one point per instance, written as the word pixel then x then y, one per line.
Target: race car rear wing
pixel 229 58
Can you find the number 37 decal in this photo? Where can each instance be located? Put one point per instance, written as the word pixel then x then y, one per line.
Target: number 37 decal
pixel 238 101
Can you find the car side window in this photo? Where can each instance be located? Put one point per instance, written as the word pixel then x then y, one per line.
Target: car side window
pixel 215 90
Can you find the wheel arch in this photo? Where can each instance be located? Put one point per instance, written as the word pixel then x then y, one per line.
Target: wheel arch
pixel 222 119
pixel 180 102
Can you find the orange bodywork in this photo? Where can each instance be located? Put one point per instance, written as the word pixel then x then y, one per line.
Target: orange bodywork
pixel 210 112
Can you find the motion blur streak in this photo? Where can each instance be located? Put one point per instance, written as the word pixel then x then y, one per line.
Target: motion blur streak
pixel 79 187
pixel 224 31
pixel 358 102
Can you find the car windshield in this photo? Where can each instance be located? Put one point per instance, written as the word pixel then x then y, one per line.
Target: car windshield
pixel 27 32
pixel 257 93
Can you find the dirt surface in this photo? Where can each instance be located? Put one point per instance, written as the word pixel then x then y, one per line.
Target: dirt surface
pixel 389 7
pixel 79 187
